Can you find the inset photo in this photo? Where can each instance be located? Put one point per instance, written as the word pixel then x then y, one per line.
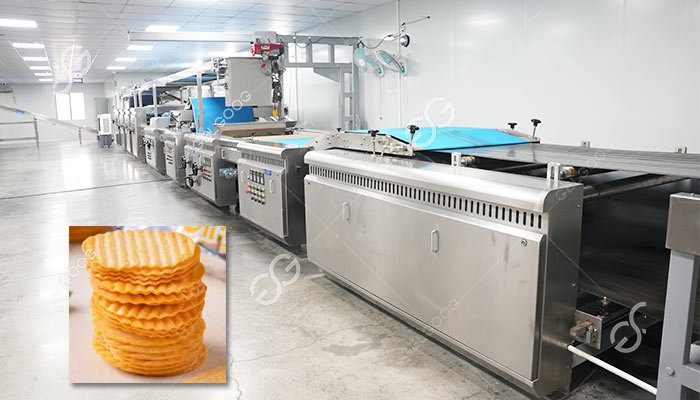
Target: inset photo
pixel 147 304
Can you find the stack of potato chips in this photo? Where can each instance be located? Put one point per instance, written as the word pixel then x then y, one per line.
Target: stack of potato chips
pixel 147 301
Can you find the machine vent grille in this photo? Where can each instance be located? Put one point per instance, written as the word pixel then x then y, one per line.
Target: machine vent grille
pixel 478 208
pixel 263 160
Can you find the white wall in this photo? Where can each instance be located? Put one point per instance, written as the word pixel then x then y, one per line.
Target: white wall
pixel 620 73
pixel 39 98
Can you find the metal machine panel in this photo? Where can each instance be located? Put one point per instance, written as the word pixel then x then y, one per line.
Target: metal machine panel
pixel 684 223
pixel 207 173
pixel 137 123
pixel 153 147
pixel 263 196
pixel 174 152
pixel 492 276
pixel 271 177
pixel 246 83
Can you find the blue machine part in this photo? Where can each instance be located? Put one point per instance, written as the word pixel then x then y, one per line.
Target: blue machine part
pixel 448 138
pixel 216 112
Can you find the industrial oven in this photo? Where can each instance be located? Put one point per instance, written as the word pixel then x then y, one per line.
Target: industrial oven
pixel 515 255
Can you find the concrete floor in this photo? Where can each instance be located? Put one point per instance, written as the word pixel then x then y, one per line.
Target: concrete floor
pixel 317 341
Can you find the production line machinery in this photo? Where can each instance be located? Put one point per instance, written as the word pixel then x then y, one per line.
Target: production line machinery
pixel 499 239
pixel 548 249
pixel 271 169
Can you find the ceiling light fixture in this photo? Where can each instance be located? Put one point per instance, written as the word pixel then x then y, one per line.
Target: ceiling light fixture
pixel 162 28
pixel 43 74
pixel 28 45
pixel 18 23
pixel 35 58
pixel 40 67
pixel 115 68
pixel 46 80
pixel 125 59
pixel 140 47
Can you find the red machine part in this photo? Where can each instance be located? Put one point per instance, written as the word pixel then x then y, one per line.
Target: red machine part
pixel 262 48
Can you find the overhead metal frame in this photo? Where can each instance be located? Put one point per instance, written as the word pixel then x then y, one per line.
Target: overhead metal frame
pixel 345 74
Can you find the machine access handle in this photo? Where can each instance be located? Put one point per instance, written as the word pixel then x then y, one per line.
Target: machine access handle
pixel 346 211
pixel 434 241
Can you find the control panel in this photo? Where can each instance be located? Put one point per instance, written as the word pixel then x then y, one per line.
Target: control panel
pixel 205 168
pixel 255 185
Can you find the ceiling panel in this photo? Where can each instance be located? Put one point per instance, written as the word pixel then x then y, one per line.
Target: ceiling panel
pixel 99 29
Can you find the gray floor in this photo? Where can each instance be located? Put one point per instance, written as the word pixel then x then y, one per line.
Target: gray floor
pixel 317 341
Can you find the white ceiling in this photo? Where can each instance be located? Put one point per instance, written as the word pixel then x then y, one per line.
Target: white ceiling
pixel 98 28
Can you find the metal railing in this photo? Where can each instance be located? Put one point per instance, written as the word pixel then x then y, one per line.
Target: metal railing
pixel 39 117
pixel 36 131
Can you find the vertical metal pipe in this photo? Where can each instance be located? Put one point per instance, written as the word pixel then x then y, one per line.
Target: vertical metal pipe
pixel 36 132
pixel 200 104
pixel 398 52
pixel 155 101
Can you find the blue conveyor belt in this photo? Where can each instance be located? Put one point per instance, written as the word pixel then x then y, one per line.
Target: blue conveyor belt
pixel 447 138
pixel 431 139
pixel 216 112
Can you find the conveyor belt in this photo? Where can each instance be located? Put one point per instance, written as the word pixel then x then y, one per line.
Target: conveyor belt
pixel 433 138
pixel 444 138
pixel 677 164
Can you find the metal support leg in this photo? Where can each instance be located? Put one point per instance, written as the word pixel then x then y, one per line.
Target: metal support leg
pixel 36 132
pixel 678 377
pixel 80 136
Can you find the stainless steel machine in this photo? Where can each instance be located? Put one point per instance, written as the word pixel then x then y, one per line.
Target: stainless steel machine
pixel 153 141
pixel 206 172
pixel 514 255
pixel 271 190
pixel 470 248
pixel 136 125
pixel 174 155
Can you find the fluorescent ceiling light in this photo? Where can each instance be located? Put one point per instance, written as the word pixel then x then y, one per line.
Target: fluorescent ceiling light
pixel 28 45
pixel 42 74
pixel 35 58
pixel 18 23
pixel 125 59
pixel 140 47
pixel 40 67
pixel 115 68
pixel 46 80
pixel 162 28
